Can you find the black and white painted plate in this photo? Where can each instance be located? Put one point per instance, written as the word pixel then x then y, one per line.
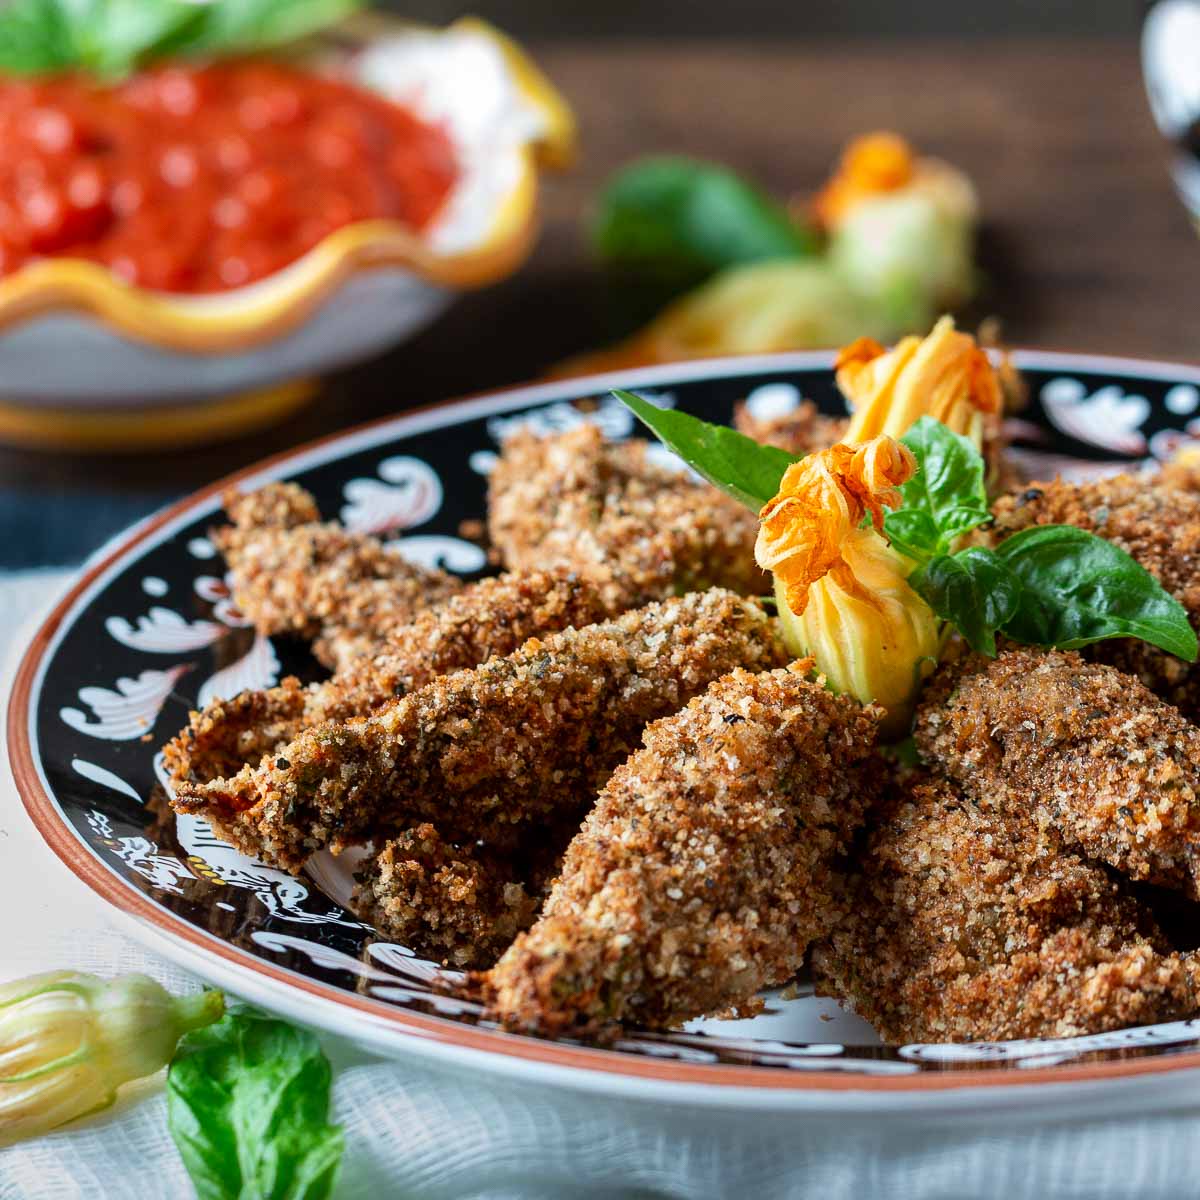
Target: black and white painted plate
pixel 150 631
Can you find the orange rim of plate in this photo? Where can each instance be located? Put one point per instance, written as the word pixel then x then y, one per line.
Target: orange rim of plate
pixel 86 867
pixel 261 312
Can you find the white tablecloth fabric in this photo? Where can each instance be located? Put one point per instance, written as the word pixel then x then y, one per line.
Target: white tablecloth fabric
pixel 431 1135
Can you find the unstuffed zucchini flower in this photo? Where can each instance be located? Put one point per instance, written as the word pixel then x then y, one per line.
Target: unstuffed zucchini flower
pixel 944 375
pixel 68 1041
pixel 901 228
pixel 842 589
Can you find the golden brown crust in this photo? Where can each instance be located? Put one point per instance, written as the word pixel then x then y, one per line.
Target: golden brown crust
pixel 802 431
pixel 642 531
pixel 1082 745
pixel 968 923
pixel 489 618
pixel 1181 472
pixel 274 506
pixel 704 870
pixel 295 574
pixel 481 753
pixel 1157 526
pixel 457 904
pixel 225 735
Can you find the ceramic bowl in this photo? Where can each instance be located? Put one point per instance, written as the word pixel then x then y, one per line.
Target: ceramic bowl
pixel 73 335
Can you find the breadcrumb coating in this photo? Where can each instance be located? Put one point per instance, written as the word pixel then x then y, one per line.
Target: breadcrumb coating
pixel 1080 745
pixel 1182 472
pixel 1157 526
pixel 644 532
pixel 459 905
pixel 489 618
pixel 483 752
pixel 294 574
pixel 969 922
pixel 706 867
pixel 802 431
pixel 278 505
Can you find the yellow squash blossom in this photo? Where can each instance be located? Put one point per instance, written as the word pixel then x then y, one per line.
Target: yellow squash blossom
pixel 870 165
pixel 68 1041
pixel 901 229
pixel 842 589
pixel 944 375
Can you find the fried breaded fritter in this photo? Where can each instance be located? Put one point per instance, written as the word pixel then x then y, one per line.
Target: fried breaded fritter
pixel 803 430
pixel 1182 472
pixel 706 867
pixel 293 573
pixel 643 531
pixel 488 618
pixel 1157 526
pixel 483 752
pixel 279 505
pixel 1087 748
pixel 968 922
pixel 458 904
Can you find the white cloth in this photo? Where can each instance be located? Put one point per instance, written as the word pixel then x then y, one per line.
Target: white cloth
pixel 432 1135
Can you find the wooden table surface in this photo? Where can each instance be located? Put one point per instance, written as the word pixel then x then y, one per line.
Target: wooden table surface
pixel 1085 245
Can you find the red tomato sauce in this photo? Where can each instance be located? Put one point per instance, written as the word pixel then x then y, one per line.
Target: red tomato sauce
pixel 201 179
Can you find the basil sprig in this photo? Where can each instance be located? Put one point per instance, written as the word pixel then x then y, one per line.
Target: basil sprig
pixel 1078 588
pixel 971 590
pixel 111 38
pixel 248 1107
pixel 946 496
pixel 1052 585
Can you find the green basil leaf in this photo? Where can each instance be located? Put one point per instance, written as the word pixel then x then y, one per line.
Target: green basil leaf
pixel 912 531
pixel 35 38
pixel 974 591
pixel 738 465
pixel 110 38
pixel 948 484
pixel 247 1106
pixel 680 221
pixel 1079 588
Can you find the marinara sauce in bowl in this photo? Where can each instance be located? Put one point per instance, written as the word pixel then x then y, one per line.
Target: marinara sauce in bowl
pixel 202 179
pixel 216 232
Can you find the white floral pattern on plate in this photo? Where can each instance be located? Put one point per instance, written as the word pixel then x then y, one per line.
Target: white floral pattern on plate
pixel 127 710
pixel 164 631
pixel 1109 417
pixel 282 895
pixel 407 493
pixel 163 871
pixel 257 668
